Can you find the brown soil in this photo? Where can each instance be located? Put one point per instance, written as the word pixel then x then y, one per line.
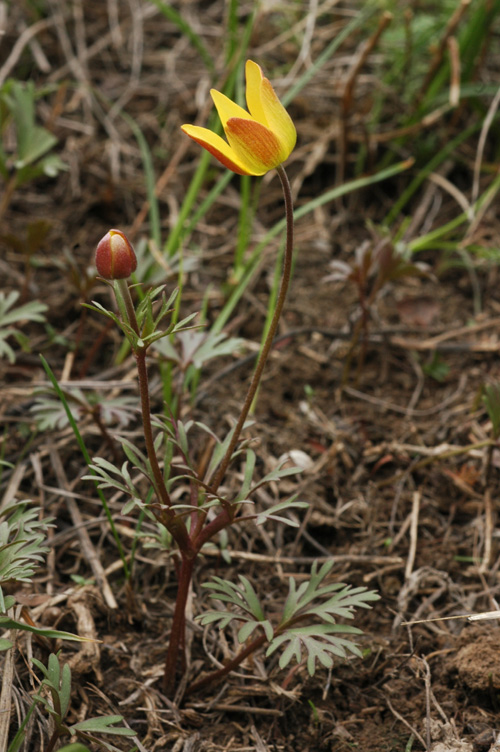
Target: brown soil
pixel 401 484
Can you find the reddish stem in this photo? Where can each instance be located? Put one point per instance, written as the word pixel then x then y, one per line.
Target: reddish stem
pixel 216 676
pixel 173 522
pixel 175 652
pixel 200 535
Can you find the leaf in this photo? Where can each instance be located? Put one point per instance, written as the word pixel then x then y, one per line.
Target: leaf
pixel 7 623
pixel 247 478
pixel 224 617
pixel 32 311
pixel 278 473
pixel 248 629
pixel 270 514
pixel 103 725
pixel 22 538
pixel 319 641
pixel 5 644
pixel 491 400
pixel 6 602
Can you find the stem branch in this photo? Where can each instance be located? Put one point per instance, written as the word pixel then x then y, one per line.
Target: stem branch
pixel 216 676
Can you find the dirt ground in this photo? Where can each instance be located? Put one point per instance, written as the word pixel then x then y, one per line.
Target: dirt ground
pixel 401 480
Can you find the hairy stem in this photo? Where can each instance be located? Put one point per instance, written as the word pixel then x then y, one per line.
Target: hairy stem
pixel 173 523
pixel 254 384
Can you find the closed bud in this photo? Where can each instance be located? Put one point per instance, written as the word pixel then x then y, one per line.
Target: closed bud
pixel 115 256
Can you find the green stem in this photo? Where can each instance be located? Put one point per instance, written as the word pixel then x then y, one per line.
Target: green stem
pixel 285 281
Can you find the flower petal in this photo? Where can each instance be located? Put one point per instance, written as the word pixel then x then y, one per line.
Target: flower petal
pixel 218 147
pixel 254 78
pixel 257 147
pixel 265 107
pixel 227 108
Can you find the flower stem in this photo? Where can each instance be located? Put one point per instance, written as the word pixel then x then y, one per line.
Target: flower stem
pixel 174 524
pixel 285 281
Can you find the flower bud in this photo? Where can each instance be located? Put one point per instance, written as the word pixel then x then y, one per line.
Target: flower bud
pixel 115 257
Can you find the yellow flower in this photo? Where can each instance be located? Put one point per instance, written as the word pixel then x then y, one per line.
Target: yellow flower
pixel 258 141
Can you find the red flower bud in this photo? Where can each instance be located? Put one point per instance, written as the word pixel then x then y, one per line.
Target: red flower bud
pixel 115 256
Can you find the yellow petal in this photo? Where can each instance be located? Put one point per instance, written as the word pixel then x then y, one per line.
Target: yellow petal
pixel 265 107
pixel 227 108
pixel 218 147
pixel 254 78
pixel 255 146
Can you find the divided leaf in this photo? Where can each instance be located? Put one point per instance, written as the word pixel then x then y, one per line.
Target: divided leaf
pixel 314 602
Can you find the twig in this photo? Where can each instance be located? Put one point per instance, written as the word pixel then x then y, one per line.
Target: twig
pixel 413 534
pixel 403 720
pixel 291 560
pixel 21 43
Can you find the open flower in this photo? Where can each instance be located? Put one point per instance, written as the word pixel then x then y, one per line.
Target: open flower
pixel 114 256
pixel 258 140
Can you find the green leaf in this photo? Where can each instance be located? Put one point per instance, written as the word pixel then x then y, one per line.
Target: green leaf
pixel 5 644
pixel 251 598
pixel 103 725
pixel 7 623
pixel 491 400
pixel 65 690
pixel 38 143
pixel 247 478
pixel 250 626
pixel 224 617
pixel 136 457
pixel 270 514
pixel 319 641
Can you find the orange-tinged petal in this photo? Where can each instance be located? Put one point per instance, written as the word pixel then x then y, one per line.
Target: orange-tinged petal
pixel 255 145
pixel 218 147
pixel 278 119
pixel 258 140
pixel 265 107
